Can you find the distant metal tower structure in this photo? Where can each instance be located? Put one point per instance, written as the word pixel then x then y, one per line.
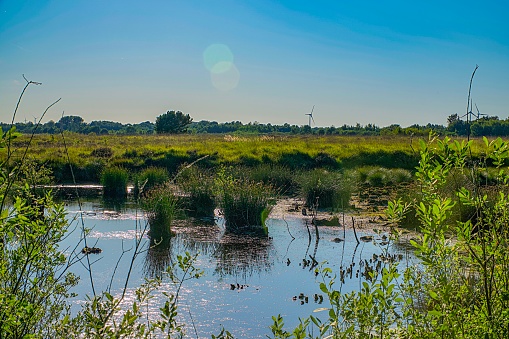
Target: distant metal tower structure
pixel 311 116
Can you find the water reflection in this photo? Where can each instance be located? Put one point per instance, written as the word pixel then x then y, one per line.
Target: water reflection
pixel 157 260
pixel 243 255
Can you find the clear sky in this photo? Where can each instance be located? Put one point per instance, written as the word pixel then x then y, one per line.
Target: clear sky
pixel 380 62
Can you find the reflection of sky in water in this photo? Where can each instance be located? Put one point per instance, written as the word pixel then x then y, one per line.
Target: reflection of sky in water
pixel 271 269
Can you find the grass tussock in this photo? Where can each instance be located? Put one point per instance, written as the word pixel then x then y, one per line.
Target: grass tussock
pixel 197 186
pixel 161 207
pixel 381 176
pixel 326 189
pixel 244 203
pixel 149 178
pixel 114 181
pixel 281 178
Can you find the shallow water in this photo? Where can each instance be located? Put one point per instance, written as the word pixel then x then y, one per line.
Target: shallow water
pixel 247 279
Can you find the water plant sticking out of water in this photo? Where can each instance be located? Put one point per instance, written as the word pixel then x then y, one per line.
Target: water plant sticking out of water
pixel 114 181
pixel 149 178
pixel 198 198
pixel 328 189
pixel 244 203
pixel 160 205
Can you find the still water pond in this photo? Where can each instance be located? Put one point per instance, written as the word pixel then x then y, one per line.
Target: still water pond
pixel 247 279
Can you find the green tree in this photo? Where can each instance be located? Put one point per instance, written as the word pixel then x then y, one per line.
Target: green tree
pixel 172 122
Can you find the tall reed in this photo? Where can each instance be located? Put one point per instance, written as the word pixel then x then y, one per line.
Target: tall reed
pixel 326 189
pixel 197 186
pixel 114 181
pixel 244 203
pixel 161 207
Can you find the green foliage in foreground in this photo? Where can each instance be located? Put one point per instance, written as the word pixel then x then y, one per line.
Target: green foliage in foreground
pixel 460 288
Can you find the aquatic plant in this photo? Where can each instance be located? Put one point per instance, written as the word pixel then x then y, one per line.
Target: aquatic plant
pixel 161 207
pixel 243 202
pixel 197 186
pixel 149 178
pixel 326 189
pixel 381 176
pixel 279 177
pixel 114 181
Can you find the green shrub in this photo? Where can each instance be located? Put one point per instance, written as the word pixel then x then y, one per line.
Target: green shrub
pixel 114 181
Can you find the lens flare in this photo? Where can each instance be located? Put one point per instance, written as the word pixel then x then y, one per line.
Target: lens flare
pixel 226 81
pixel 217 58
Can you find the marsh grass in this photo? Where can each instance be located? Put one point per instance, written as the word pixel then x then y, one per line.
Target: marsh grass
pixel 197 186
pixel 281 178
pixel 114 181
pixel 149 178
pixel 381 176
pixel 244 203
pixel 171 151
pixel 326 189
pixel 161 207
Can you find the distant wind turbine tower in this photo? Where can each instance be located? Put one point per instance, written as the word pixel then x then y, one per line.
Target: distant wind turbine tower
pixel 311 116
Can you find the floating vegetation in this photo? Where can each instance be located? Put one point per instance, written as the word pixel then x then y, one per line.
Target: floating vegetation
pixel 91 250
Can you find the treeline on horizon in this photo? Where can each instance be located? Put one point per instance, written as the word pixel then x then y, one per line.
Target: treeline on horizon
pixel 485 126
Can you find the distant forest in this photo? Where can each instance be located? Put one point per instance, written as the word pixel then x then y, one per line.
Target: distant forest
pixel 485 126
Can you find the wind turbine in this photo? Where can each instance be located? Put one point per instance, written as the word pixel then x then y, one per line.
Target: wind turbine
pixel 479 113
pixel 311 116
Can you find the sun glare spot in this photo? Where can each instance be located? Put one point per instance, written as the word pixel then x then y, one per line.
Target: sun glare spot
pixel 218 59
pixel 227 80
pixel 215 54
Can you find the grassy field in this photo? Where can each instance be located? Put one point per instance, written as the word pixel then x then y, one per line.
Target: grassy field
pixel 90 154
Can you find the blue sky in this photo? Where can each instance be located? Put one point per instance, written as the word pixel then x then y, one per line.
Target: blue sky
pixel 380 62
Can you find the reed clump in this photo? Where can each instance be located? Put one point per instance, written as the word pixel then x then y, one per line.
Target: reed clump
pixel 114 181
pixel 326 189
pixel 244 203
pixel 161 207
pixel 198 191
pixel 281 178
pixel 381 176
pixel 149 178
